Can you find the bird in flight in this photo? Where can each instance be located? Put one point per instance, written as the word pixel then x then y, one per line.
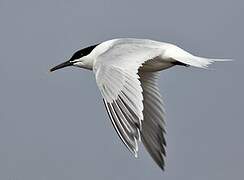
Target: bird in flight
pixel 127 73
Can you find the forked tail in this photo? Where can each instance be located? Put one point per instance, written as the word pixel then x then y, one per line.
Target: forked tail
pixel 202 62
pixel 183 56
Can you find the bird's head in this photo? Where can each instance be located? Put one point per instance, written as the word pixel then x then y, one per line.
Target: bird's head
pixel 79 59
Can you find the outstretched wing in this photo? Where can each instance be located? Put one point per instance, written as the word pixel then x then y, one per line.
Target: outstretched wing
pixel 153 125
pixel 116 76
pixel 122 95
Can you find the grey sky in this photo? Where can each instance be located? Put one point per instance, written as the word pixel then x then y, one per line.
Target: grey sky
pixel 48 129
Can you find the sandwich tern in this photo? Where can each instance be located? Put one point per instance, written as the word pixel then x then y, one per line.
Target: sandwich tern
pixel 127 73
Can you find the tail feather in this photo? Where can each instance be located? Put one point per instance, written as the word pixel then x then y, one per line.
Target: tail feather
pixel 201 62
pixel 185 57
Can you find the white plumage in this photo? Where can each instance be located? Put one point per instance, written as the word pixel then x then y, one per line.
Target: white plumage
pixel 127 72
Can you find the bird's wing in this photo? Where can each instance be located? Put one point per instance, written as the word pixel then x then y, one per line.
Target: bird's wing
pixel 116 76
pixel 153 125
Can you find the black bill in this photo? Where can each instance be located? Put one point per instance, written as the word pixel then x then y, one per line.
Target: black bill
pixel 62 65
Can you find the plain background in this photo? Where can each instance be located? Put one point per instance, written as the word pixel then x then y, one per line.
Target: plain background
pixel 54 126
